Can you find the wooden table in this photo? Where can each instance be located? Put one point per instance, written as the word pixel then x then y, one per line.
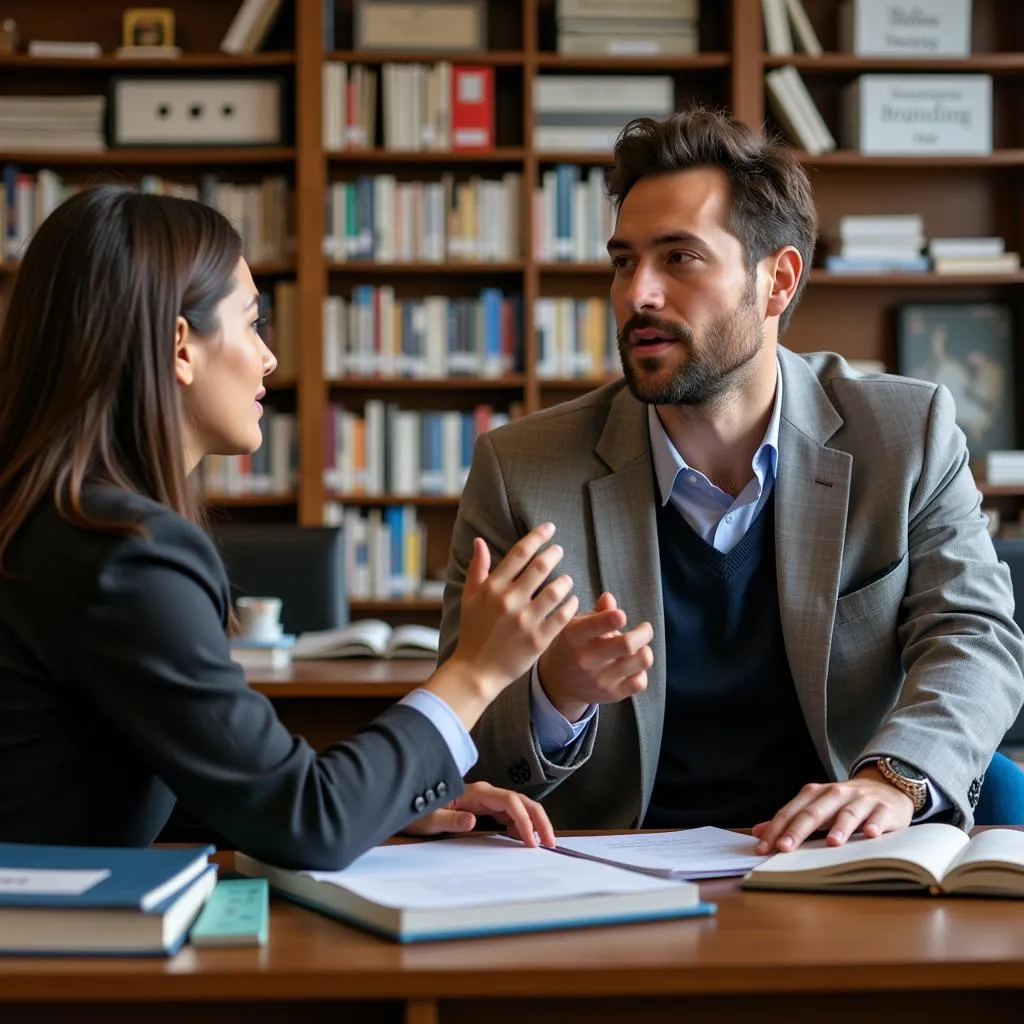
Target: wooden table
pixel 327 701
pixel 765 957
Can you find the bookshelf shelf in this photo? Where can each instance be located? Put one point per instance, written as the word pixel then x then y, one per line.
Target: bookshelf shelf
pixel 373 267
pixel 588 158
pixel 249 500
pixel 900 280
pixel 569 269
pixel 419 500
pixel 575 383
pixel 498 155
pixel 493 58
pixel 848 158
pixel 146 158
pixel 827 63
pixel 508 383
pixel 377 606
pixel 611 63
pixel 190 61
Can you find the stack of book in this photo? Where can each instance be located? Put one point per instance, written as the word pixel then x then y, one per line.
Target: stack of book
pixel 879 245
pixel 999 468
pixel 72 900
pixel 784 19
pixel 643 27
pixel 972 256
pixel 586 112
pixel 52 123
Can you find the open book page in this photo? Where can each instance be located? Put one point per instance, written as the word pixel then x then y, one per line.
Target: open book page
pixel 366 637
pixel 992 860
pixel 706 852
pixel 919 854
pixel 475 870
pixel 413 642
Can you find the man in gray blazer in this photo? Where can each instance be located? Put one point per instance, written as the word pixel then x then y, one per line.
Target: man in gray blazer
pixel 820 635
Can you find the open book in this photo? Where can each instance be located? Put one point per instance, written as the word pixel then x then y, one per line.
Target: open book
pixel 478 885
pixel 931 856
pixel 369 638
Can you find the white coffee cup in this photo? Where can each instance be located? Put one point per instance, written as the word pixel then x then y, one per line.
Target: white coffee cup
pixel 259 617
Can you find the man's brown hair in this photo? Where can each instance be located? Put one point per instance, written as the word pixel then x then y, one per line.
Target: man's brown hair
pixel 772 202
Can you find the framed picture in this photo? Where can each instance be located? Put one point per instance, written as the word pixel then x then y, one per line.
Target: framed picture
pixel 968 347
pixel 147 26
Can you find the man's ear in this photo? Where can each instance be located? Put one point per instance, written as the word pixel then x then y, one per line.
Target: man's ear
pixel 184 353
pixel 785 269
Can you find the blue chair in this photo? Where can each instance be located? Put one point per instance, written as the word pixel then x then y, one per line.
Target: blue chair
pixel 1002 794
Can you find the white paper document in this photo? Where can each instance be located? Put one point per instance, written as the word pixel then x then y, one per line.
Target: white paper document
pixel 706 852
pixel 478 870
pixel 48 881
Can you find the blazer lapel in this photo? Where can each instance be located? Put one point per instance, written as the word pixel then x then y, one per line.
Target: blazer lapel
pixel 811 496
pixel 622 507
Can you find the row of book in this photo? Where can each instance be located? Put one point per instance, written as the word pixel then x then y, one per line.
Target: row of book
pixel 273 469
pixel 389 450
pixel 262 212
pixel 575 338
pixel 385 550
pixel 377 217
pixel 437 106
pixel 896 243
pixel 373 333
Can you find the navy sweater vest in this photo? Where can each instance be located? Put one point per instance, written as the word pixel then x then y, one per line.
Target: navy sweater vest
pixel 735 746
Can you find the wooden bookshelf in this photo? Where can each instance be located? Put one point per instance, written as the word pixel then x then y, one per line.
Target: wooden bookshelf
pixel 852 314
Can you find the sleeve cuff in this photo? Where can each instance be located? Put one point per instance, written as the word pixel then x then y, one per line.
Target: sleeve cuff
pixel 554 731
pixel 448 724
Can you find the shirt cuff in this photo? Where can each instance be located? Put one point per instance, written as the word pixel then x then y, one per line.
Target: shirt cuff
pixel 554 731
pixel 448 724
pixel 935 800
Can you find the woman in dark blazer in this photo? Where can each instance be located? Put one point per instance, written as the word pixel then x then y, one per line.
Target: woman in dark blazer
pixel 129 351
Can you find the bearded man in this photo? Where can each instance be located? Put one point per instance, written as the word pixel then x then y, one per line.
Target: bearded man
pixel 820 636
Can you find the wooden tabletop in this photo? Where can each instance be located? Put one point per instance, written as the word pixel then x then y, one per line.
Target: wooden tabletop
pixel 343 677
pixel 758 943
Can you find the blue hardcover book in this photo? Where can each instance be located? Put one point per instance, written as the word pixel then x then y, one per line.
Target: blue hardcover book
pixel 76 900
pixel 478 885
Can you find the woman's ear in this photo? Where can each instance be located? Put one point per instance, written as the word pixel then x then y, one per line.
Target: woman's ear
pixel 184 353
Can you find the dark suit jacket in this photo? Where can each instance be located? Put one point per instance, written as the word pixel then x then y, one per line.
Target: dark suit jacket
pixel 118 695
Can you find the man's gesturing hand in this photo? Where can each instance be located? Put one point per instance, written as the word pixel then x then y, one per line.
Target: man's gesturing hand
pixel 593 662
pixel 867 801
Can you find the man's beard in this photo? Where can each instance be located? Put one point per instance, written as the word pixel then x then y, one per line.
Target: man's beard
pixel 727 345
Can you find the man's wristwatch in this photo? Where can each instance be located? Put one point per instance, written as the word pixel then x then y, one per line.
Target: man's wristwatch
pixel 905 778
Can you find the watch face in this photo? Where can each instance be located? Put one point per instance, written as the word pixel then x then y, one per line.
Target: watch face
pixel 905 770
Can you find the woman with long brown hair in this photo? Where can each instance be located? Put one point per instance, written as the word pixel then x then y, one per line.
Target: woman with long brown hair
pixel 129 351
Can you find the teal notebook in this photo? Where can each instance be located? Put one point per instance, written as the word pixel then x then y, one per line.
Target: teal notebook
pixel 236 914
pixel 478 885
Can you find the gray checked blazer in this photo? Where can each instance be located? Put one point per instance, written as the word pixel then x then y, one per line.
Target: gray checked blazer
pixel 896 613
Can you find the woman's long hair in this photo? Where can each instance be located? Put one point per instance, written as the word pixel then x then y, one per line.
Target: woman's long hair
pixel 87 350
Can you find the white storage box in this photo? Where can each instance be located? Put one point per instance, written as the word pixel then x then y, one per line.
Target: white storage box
pixel 918 115
pixel 196 112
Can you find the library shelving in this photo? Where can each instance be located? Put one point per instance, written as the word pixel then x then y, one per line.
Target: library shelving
pixel 852 314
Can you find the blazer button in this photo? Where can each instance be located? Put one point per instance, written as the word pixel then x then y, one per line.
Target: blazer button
pixel 430 796
pixel 442 789
pixel 419 805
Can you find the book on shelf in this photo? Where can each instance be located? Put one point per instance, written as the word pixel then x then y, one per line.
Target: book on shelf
pixel 799 116
pixel 587 112
pixel 63 49
pixel 1006 263
pixel 641 28
pixel 460 887
pixel 931 857
pixel 1000 468
pixel 250 26
pixel 85 901
pixel 369 638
